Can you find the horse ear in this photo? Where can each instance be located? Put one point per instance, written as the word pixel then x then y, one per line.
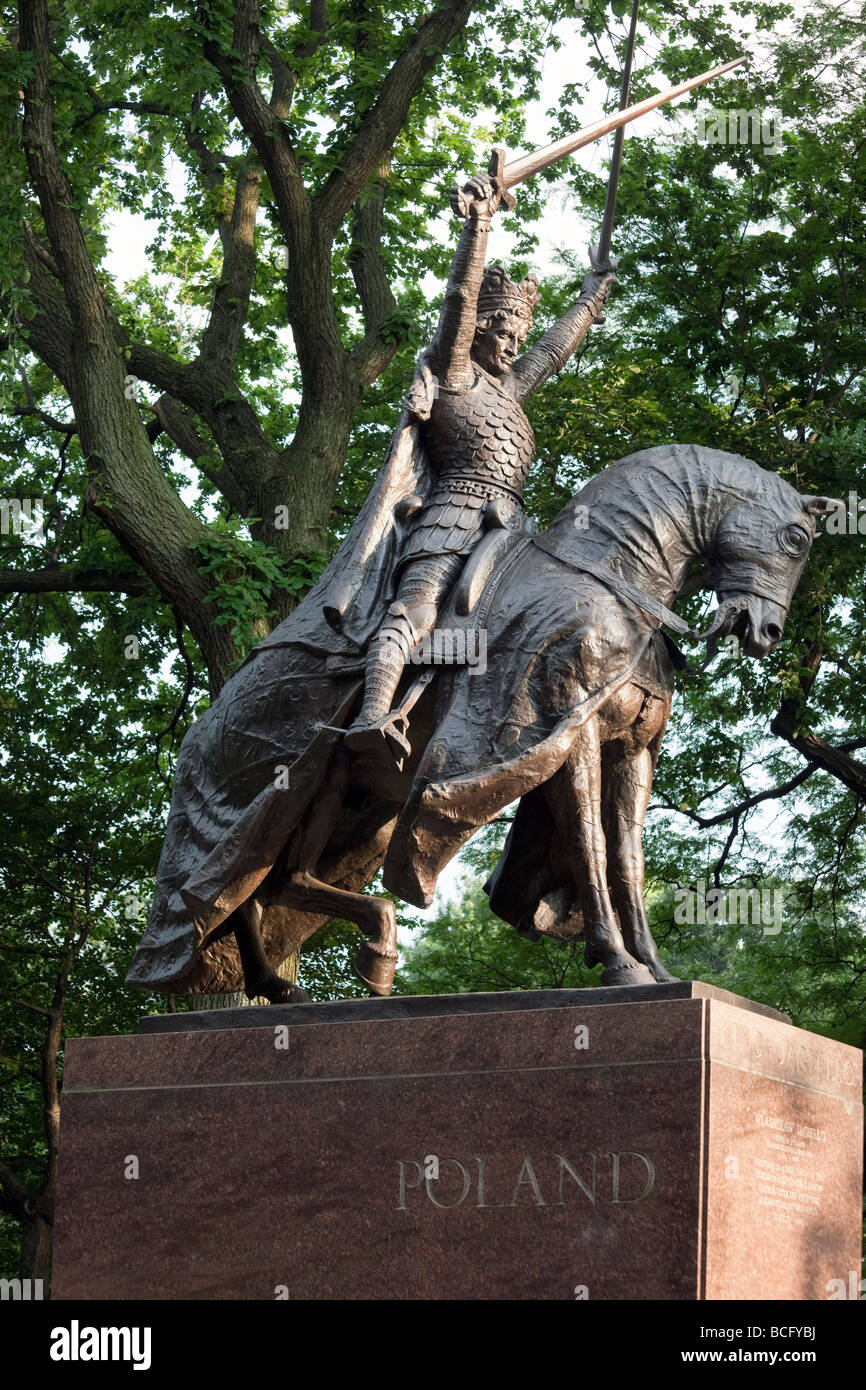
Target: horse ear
pixel 821 506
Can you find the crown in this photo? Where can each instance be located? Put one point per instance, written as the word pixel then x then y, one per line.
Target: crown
pixel 498 292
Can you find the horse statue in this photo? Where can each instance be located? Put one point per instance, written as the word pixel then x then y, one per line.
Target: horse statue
pixel 277 824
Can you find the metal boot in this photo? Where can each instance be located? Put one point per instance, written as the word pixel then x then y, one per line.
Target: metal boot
pixel 374 725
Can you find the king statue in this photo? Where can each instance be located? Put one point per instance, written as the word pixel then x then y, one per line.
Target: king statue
pixel 299 784
pixel 467 401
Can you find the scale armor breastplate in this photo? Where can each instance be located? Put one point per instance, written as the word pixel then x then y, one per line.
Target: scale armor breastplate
pixel 480 445
pixel 481 434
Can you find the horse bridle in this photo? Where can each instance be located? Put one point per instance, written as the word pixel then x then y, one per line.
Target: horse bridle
pixel 665 617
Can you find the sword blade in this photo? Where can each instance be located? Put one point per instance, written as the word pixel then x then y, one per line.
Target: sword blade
pixel 606 234
pixel 525 165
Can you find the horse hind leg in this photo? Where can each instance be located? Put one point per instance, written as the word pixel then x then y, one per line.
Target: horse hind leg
pixel 261 981
pixel 376 959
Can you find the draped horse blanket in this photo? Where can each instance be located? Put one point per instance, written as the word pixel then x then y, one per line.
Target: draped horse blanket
pixel 499 733
pixel 228 820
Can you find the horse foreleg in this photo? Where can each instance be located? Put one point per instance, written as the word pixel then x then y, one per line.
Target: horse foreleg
pixel 376 958
pixel 627 787
pixel 574 794
pixel 260 979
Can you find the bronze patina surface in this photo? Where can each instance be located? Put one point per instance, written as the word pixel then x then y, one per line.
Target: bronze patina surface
pixel 331 753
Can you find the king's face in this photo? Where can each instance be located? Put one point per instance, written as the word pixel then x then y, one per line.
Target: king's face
pixel 497 345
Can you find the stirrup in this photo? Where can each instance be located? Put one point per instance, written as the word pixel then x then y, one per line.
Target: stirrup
pixel 368 735
pixel 383 730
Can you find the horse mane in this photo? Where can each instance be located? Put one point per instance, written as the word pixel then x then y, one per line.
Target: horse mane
pixel 648 511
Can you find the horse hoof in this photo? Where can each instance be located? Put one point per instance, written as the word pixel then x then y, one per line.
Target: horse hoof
pixel 376 969
pixel 627 975
pixel 660 975
pixel 277 991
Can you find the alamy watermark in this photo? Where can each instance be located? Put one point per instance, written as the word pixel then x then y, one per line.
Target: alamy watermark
pixel 77 1343
pixel 448 646
pixel 695 905
pixel 22 516
pixel 757 128
pixel 848 519
pixel 851 1288
pixel 22 1290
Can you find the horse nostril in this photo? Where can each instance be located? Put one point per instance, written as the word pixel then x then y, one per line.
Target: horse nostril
pixel 772 632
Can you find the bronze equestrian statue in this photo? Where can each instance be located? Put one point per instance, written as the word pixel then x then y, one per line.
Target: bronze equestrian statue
pixel 300 783
pixel 277 822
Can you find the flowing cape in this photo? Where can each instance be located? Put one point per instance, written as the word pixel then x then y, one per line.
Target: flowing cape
pixel 232 810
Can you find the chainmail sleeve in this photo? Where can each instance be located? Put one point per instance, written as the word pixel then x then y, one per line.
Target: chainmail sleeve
pixel 550 354
pixel 448 354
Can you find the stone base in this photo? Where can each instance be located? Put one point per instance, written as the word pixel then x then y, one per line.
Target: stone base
pixel 673 1142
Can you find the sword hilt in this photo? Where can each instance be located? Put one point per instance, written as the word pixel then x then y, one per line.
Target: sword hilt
pixel 496 170
pixel 601 264
pixel 496 174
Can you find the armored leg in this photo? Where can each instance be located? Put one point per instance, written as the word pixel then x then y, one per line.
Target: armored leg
pixel 423 585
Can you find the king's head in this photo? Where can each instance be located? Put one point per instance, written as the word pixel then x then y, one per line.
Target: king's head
pixel 503 320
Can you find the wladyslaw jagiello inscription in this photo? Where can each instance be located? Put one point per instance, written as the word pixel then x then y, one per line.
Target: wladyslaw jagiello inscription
pixel 774 1050
pixel 790 1171
pixel 548 1180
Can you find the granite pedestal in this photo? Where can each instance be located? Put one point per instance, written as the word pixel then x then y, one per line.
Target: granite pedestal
pixel 673 1142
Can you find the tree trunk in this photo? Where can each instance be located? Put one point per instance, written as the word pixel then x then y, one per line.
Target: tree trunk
pixel 35 1263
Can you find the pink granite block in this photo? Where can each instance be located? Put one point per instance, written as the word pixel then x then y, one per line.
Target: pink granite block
pixel 680 1149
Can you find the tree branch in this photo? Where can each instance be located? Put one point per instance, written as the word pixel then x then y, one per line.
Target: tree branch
pixel 24 1004
pixel 819 753
pixel 60 425
pixel 41 252
pixel 380 127
pixel 73 580
pixel 372 354
pixel 49 332
pixel 179 424
pixel 212 165
pixel 264 126
pixel 285 77
pixel 208 389
pixel 127 488
pixel 735 812
pixel 237 486
pixel 221 339
pixel 149 108
pixel 787 725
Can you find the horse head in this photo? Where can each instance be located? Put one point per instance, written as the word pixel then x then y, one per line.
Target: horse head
pixel 760 549
pixel 653 515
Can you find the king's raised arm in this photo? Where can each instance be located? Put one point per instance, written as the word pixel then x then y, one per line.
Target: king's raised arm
pixel 484 319
pixel 449 353
pixel 477 439
pixel 550 354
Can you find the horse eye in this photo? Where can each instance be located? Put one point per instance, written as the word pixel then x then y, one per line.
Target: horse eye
pixel 794 539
